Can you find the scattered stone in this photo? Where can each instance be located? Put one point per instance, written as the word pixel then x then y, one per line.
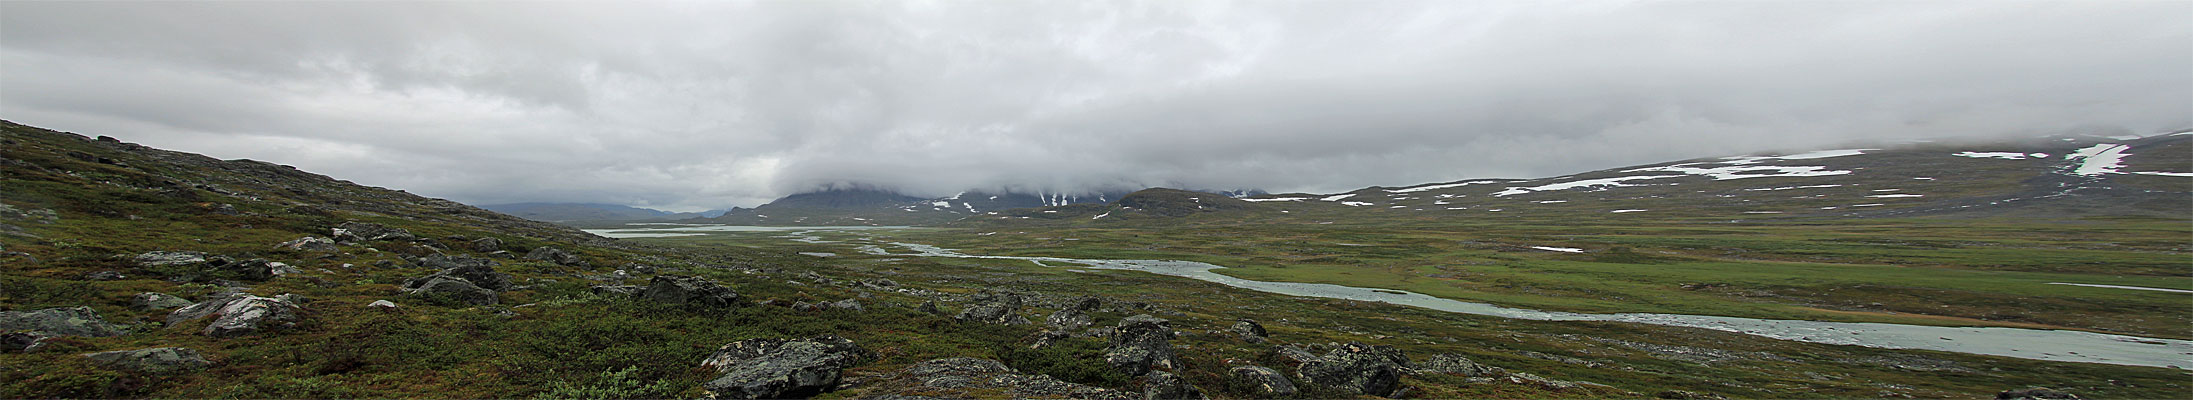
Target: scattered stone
pixel 1449 363
pixel 930 306
pixel 454 287
pixel 1355 368
pixel 614 290
pixel 802 306
pixel 153 361
pixel 1250 331
pixel 239 314
pixel 169 258
pixel 60 321
pixel 22 341
pixel 779 368
pixel 1069 319
pixel 1687 395
pixel 1524 378
pixel 1264 381
pixel 2037 393
pixel 105 275
pixel 969 377
pixel 257 269
pixel 156 302
pixel 353 231
pixel 995 307
pixel 308 243
pixel 487 245
pixel 279 269
pixel 1141 342
pixel 848 304
pixel 879 284
pixel 1166 386
pixel 382 304
pixel 688 290
pixel 554 255
pixel 479 271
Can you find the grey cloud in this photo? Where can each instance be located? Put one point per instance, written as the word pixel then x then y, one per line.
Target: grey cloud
pixel 703 105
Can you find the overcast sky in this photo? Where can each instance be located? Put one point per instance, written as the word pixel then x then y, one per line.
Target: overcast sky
pixel 690 106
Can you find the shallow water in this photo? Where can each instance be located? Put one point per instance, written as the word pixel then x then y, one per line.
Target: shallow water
pixel 2038 344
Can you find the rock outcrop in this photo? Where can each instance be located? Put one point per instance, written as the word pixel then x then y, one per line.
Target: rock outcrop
pixel 964 377
pixel 1448 363
pixel 169 258
pixel 995 307
pixel 355 232
pixel 60 321
pixel 688 290
pixel 1356 368
pixel 1163 385
pixel 308 243
pixel 1140 343
pixel 153 361
pixel 479 271
pixel 452 287
pixel 156 302
pixel 1264 382
pixel 554 255
pixel 779 368
pixel 240 314
pixel 2038 393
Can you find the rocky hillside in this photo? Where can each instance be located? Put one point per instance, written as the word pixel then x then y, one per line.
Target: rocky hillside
pixel 580 212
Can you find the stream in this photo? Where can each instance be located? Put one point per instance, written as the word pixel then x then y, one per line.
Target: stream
pixel 2037 344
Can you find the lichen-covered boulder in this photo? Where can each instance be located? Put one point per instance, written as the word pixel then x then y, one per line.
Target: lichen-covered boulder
pixel 964 377
pixel 169 258
pixel 779 368
pixel 479 271
pixel 1250 331
pixel 554 255
pixel 240 314
pixel 308 243
pixel 1448 363
pixel 60 321
pixel 153 361
pixel 1140 343
pixel 688 290
pixel 1264 382
pixel 1163 385
pixel 156 302
pixel 453 287
pixel 1355 368
pixel 995 307
pixel 353 231
pixel 2038 393
pixel 487 245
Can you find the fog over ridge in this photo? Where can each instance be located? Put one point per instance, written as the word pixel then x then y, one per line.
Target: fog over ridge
pixel 690 106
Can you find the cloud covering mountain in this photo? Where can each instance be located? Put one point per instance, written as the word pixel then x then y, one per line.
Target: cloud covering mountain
pixel 691 106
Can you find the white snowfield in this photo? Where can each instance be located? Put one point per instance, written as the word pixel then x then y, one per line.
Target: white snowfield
pixel 1897 195
pixel 1357 203
pixel 1276 199
pixel 1338 197
pixel 1799 156
pixel 1794 187
pixel 1601 182
pixel 1627 211
pixel 2123 287
pixel 2001 155
pixel 1748 171
pixel 1559 249
pixel 1439 186
pixel 2100 159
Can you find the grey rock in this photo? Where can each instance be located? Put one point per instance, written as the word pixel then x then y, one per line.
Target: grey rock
pixel 1355 368
pixel 239 314
pixel 454 287
pixel 1140 343
pixel 554 255
pixel 22 341
pixel 995 307
pixel 1250 331
pixel 169 258
pixel 879 284
pixel 353 231
pixel 60 321
pixel 930 306
pixel 2038 393
pixel 802 306
pixel 1688 395
pixel 848 304
pixel 779 368
pixel 156 302
pixel 479 271
pixel 308 243
pixel 614 290
pixel 1263 381
pixel 153 361
pixel 487 245
pixel 688 290
pixel 257 269
pixel 1163 385
pixel 105 275
pixel 975 375
pixel 1448 363
pixel 382 304
pixel 1068 319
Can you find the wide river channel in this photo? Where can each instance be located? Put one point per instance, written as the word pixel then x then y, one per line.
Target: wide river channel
pixel 2038 344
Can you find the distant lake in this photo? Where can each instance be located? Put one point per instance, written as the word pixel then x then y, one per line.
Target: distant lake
pixel 659 229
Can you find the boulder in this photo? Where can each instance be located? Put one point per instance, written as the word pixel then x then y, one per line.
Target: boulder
pixel 60 321
pixel 353 231
pixel 1068 319
pixel 479 271
pixel 456 288
pixel 974 377
pixel 382 304
pixel 487 245
pixel 2038 393
pixel 105 275
pixel 257 269
pixel 156 302
pixel 1163 385
pixel 1250 331
pixel 1264 382
pixel 688 290
pixel 929 307
pixel 1448 363
pixel 1140 343
pixel 153 361
pixel 169 258
pixel 308 243
pixel 779 368
pixel 1355 368
pixel 554 255
pixel 240 314
pixel 22 341
pixel 847 304
pixel 995 307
